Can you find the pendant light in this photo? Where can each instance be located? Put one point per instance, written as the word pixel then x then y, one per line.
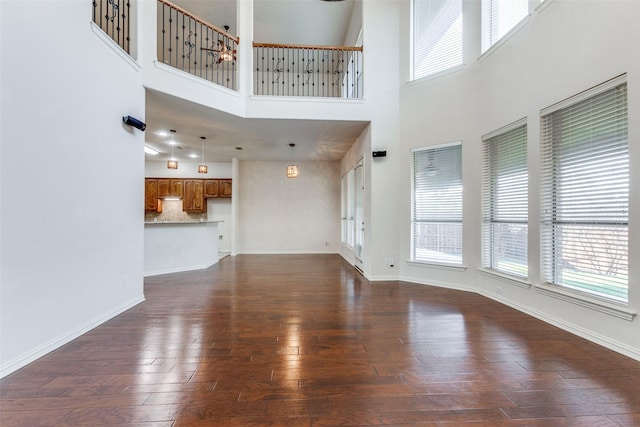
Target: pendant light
pixel 172 163
pixel 202 168
pixel 292 169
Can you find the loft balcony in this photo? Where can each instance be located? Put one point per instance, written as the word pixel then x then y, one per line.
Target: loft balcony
pixel 300 70
pixel 192 44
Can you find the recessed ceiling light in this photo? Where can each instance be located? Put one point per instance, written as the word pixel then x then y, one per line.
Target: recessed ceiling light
pixel 193 155
pixel 162 133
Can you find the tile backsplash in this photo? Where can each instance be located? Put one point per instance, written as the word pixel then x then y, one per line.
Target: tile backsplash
pixel 172 212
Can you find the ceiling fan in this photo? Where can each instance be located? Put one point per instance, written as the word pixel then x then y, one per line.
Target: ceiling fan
pixel 225 53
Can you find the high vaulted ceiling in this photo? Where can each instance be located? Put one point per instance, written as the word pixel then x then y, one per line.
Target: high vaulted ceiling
pixel 312 22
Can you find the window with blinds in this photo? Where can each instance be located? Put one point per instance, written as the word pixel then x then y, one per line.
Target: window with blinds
pixel 437 204
pixel 436 36
pixel 505 200
pixel 499 17
pixel 585 192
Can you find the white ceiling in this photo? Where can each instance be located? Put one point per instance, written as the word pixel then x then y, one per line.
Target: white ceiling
pixel 260 139
pixel 313 22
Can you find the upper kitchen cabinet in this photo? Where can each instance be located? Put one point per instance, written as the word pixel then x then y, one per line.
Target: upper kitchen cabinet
pixel 194 200
pixel 211 188
pixel 225 188
pixel 170 188
pixel 151 200
pixel 177 188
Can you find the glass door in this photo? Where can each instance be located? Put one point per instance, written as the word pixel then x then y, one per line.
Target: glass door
pixel 359 209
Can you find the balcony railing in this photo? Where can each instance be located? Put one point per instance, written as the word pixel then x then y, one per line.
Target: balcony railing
pixel 193 45
pixel 112 16
pixel 300 70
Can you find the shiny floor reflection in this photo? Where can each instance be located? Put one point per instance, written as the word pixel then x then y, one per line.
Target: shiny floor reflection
pixel 304 340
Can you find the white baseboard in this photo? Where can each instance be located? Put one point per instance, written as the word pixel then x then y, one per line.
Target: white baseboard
pixel 602 340
pixel 38 352
pixel 285 252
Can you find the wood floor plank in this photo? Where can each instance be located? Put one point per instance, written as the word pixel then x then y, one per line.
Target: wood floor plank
pixel 305 340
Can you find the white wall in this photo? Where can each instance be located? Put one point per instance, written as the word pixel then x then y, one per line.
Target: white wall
pixel 71 174
pixel 566 47
pixel 277 214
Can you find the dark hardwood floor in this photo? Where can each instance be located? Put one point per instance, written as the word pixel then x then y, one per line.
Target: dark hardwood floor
pixel 304 340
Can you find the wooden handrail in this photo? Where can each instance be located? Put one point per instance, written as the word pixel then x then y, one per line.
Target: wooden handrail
pixel 203 22
pixel 303 46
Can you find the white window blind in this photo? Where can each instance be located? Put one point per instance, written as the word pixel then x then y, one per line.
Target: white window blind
pixel 505 200
pixel 499 17
pixel 437 204
pixel 436 36
pixel 585 192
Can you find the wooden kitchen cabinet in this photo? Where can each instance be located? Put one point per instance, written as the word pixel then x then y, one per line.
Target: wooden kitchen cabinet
pixel 170 188
pixel 177 188
pixel 194 200
pixel 211 188
pixel 225 188
pixel 164 189
pixel 151 196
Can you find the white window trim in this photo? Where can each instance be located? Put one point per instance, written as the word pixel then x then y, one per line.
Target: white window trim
pixel 584 95
pixel 437 75
pixel 543 5
pixel 586 300
pixel 504 129
pixel 441 265
pixel 504 38
pixel 513 280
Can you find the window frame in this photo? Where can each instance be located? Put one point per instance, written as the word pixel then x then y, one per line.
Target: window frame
pixel 449 260
pixel 554 215
pixel 445 65
pixel 507 144
pixel 486 33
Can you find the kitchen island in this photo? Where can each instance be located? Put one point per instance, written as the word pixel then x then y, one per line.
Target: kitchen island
pixel 171 247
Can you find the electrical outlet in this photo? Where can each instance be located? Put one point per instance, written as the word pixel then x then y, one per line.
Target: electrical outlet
pixel 326 243
pixel 124 281
pixel 391 263
pixel 220 237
